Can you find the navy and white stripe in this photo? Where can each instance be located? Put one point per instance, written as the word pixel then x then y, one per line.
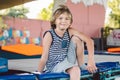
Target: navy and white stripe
pixel 58 49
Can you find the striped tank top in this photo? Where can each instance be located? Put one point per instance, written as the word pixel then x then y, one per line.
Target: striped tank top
pixel 58 49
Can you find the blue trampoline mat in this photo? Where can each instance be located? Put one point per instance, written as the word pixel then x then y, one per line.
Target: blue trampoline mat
pixel 104 53
pixel 17 75
pixel 102 67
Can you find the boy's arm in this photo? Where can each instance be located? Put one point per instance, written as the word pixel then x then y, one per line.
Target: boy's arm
pixel 91 62
pixel 91 67
pixel 46 45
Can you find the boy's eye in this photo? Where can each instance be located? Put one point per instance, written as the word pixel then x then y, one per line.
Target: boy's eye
pixel 67 18
pixel 63 18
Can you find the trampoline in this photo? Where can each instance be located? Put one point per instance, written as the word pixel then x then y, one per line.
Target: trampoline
pixel 106 71
pixel 3 65
pixel 21 51
pixel 17 75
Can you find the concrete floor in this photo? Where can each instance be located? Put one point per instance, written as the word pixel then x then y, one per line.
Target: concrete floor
pixel 31 65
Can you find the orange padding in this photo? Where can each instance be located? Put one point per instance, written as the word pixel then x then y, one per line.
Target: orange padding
pixel 114 49
pixel 24 49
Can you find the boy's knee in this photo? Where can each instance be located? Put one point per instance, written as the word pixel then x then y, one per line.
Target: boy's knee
pixel 76 40
pixel 74 69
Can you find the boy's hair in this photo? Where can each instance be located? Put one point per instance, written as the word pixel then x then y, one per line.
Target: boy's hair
pixel 62 9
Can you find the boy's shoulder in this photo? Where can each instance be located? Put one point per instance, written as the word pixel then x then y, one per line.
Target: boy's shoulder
pixel 47 31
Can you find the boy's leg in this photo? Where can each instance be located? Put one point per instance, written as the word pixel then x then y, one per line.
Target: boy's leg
pixel 79 50
pixel 75 70
pixel 74 73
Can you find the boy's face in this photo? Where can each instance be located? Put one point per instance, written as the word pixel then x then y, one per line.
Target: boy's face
pixel 63 21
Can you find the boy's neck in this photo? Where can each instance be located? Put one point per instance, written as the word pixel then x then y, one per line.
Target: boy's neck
pixel 60 32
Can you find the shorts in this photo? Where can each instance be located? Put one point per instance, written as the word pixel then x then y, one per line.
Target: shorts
pixel 63 66
pixel 69 61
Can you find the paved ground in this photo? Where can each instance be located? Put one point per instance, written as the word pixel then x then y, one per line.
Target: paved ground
pixel 32 64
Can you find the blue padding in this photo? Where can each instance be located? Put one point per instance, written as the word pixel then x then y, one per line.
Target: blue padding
pixel 103 66
pixel 52 76
pixel 103 53
pixel 3 65
pixel 84 72
pixel 18 77
pixel 48 76
pixel 58 75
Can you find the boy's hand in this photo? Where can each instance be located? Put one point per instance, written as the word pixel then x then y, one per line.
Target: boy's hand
pixel 91 67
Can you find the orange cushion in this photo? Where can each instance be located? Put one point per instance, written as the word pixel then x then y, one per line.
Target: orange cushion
pixel 24 49
pixel 114 49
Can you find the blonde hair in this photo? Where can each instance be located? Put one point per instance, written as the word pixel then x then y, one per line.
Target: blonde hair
pixel 62 9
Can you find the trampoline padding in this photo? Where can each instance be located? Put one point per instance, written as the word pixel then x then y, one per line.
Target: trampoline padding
pixel 24 49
